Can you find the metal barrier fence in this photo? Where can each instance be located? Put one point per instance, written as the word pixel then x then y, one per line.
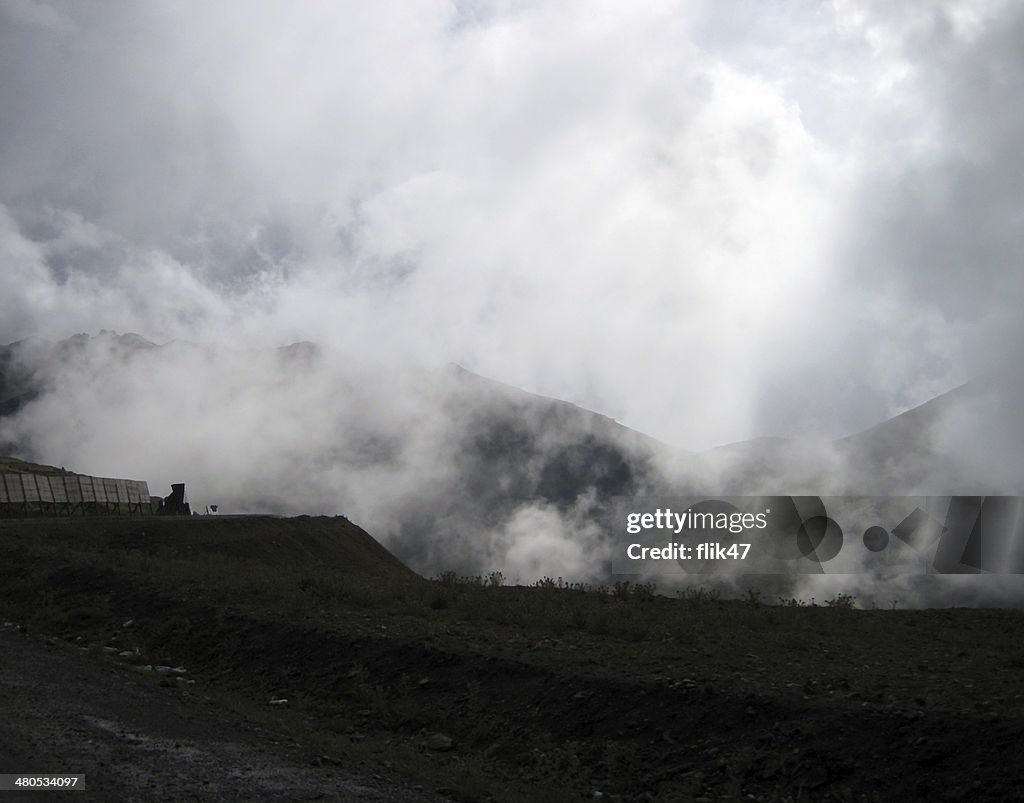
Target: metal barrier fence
pixel 72 495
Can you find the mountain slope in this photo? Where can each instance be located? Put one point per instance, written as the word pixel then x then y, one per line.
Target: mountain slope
pixel 448 469
pixel 932 449
pixel 451 470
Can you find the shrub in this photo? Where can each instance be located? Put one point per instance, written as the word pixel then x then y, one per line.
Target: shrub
pixel 699 594
pixel 792 602
pixel 494 580
pixel 842 601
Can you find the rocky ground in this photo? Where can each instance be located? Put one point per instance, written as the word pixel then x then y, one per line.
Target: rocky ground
pixel 401 688
pixel 134 739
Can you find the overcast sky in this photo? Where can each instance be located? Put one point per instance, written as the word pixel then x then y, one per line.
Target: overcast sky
pixel 708 220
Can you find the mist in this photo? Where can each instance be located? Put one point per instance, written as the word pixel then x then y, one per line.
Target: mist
pixel 709 222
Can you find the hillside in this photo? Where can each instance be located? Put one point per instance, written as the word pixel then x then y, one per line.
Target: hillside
pixel 438 463
pixel 481 692
pixel 259 543
pixel 450 470
pixel 12 465
pixel 520 446
pixel 950 444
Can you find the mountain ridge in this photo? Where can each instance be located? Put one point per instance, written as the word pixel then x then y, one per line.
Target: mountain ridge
pixel 450 469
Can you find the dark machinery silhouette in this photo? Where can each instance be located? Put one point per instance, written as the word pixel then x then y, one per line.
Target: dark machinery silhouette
pixel 177 503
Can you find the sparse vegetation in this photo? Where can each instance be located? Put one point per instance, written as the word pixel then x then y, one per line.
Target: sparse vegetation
pixel 552 692
pixel 847 601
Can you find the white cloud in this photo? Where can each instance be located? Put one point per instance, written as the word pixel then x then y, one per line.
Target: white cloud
pixel 37 13
pixel 708 230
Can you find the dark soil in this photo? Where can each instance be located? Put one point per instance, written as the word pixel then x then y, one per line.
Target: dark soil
pixel 518 694
pixel 133 739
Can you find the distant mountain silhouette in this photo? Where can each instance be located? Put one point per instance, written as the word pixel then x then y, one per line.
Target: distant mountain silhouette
pixel 533 446
pixel 439 461
pixel 930 449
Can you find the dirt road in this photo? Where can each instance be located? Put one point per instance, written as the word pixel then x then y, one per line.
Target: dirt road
pixel 134 740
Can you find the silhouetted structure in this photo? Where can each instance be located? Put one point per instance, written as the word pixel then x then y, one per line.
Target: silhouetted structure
pixel 176 504
pixel 31 494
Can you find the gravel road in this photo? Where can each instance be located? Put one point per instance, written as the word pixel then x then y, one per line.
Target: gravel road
pixel 135 740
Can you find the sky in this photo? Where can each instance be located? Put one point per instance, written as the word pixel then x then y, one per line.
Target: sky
pixel 708 220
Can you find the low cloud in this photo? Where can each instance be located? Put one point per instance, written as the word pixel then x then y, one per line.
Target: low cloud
pixel 799 226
